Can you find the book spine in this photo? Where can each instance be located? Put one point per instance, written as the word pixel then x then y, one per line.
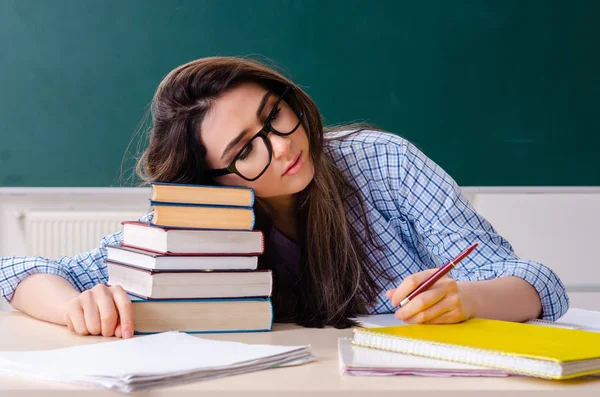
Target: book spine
pixel 139 299
pixel 209 272
pixel 233 331
pixel 170 204
pixel 248 229
pixel 272 314
pixel 198 254
pixel 202 186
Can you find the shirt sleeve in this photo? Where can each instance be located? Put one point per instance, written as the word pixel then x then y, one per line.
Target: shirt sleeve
pixel 447 222
pixel 83 271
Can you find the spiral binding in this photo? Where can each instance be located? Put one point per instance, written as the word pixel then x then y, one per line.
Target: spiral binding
pixel 554 324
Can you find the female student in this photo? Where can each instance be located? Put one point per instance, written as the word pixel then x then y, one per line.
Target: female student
pixel 354 219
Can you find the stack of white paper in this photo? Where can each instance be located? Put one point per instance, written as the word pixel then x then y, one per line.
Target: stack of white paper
pixel 149 361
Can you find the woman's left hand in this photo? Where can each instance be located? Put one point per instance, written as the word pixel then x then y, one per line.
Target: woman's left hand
pixel 443 303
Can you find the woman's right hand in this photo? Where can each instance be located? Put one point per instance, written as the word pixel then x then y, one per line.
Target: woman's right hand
pixel 102 310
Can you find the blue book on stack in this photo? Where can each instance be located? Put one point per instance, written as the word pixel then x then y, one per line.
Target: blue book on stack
pixel 202 315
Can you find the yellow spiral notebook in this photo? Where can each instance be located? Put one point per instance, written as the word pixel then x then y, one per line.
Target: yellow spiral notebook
pixel 544 352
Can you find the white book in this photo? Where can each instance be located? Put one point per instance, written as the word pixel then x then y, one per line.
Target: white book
pixel 365 361
pixel 159 284
pixel 154 261
pixel 169 240
pixel 586 320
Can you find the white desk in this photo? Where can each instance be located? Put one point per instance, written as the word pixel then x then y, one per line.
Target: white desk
pixel 20 332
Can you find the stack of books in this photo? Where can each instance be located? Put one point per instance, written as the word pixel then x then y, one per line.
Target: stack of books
pixel 193 268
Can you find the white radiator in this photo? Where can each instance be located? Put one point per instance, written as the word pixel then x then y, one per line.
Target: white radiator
pixel 52 234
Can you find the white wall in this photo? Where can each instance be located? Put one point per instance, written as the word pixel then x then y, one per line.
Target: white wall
pixel 15 202
pixel 559 229
pixel 556 226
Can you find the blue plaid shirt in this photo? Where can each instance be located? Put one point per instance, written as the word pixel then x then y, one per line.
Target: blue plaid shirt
pixel 415 209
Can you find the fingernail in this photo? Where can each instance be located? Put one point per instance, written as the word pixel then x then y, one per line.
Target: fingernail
pixel 127 334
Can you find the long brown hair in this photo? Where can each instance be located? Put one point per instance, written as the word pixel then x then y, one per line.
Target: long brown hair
pixel 337 280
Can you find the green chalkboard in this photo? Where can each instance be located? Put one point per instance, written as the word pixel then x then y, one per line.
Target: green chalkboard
pixel 498 92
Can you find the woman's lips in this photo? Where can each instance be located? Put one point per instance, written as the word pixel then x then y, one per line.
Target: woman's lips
pixel 295 166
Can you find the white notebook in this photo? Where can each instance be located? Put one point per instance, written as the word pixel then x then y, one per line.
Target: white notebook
pixel 365 361
pixel 147 361
pixel 586 320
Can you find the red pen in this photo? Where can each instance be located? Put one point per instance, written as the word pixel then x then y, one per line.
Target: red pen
pixel 437 275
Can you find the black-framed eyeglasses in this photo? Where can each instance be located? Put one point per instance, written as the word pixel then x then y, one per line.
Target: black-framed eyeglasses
pixel 254 157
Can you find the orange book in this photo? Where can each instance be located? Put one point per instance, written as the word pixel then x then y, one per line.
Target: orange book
pixel 238 196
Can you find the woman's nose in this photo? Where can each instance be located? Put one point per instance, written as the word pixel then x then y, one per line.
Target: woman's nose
pixel 281 145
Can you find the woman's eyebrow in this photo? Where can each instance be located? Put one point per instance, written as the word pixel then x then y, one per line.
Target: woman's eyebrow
pixel 240 136
pixel 262 104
